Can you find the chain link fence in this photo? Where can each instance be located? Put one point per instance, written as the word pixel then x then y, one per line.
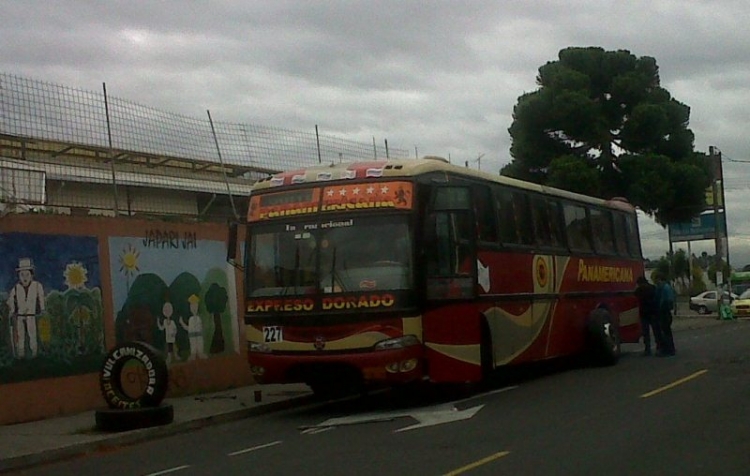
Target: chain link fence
pixel 68 150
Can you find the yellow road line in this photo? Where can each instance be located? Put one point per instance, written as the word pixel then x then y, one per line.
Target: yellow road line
pixel 477 464
pixel 674 384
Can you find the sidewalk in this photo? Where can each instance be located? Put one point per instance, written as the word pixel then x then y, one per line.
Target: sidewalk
pixel 28 444
pixel 692 320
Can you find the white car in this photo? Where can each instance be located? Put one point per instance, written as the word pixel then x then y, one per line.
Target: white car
pixel 705 302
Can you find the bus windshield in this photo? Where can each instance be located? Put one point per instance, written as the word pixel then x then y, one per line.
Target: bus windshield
pixel 354 254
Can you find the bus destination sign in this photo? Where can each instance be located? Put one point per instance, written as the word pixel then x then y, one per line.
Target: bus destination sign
pixel 284 204
pixel 361 196
pixel 367 195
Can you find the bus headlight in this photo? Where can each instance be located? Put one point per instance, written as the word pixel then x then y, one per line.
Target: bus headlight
pixel 408 365
pixel 397 342
pixel 403 366
pixel 258 347
pixel 257 370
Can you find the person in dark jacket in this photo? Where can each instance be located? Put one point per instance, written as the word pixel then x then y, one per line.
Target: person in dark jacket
pixel 646 293
pixel 665 298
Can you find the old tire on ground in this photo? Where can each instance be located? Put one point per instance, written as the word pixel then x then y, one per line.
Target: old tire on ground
pixel 604 343
pixel 115 419
pixel 156 376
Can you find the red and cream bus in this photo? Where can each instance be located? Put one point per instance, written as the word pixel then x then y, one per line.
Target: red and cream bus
pixel 389 272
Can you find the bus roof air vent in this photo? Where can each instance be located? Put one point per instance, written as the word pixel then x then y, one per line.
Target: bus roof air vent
pixel 435 157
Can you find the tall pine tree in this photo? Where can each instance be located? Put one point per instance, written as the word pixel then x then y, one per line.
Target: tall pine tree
pixel 601 124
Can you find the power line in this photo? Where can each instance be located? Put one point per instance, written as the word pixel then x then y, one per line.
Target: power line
pixel 739 161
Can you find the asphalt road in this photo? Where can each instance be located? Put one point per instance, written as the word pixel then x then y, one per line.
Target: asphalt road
pixel 684 415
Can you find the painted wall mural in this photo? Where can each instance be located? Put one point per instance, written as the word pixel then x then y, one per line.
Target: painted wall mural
pixel 51 314
pixel 175 292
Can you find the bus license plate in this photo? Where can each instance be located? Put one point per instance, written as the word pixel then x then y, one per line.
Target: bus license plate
pixel 273 334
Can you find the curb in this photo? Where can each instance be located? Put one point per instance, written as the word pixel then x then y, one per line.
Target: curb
pixel 128 438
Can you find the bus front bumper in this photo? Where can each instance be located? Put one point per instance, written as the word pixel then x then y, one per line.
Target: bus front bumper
pixel 392 366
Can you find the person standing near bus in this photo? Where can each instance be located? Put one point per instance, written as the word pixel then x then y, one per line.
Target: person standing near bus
pixel 665 303
pixel 646 293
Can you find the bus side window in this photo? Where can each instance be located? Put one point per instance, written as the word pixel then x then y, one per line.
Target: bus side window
pixel 438 244
pixel 556 229
pixel 604 240
pixel 449 241
pixel 634 244
pixel 522 212
pixel 485 215
pixel 450 266
pixel 541 219
pixel 508 228
pixel 453 239
pixel 577 227
pixel 621 234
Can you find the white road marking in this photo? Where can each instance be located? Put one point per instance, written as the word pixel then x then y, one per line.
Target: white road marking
pixel 482 395
pixel 478 463
pixel 255 448
pixel 674 384
pixel 429 416
pixel 170 470
pixel 432 418
pixel 315 431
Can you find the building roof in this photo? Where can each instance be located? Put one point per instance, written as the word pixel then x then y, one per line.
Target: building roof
pixel 71 173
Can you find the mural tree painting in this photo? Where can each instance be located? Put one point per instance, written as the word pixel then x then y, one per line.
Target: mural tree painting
pixel 216 302
pixel 174 294
pixel 137 318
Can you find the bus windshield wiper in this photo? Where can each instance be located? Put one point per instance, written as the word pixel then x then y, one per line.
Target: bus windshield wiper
pixel 334 277
pixel 297 270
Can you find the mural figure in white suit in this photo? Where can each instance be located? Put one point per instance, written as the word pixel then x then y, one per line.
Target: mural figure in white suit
pixel 25 303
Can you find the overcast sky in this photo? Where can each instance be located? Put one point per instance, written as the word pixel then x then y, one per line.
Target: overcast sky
pixel 440 78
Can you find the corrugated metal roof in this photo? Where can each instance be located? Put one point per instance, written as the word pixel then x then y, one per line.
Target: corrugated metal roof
pixel 104 176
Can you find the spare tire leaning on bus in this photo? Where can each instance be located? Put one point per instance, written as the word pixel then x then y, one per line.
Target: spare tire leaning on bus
pixel 125 411
pixel 603 338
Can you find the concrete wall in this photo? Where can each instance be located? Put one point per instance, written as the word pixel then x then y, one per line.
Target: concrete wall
pixel 104 281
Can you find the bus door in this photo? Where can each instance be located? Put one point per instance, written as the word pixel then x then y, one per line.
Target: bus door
pixel 450 328
pixel 548 235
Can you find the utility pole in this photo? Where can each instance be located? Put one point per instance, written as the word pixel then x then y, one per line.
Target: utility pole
pixel 478 160
pixel 719 207
pixel 725 230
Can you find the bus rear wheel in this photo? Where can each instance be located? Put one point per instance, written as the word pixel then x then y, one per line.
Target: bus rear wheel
pixel 603 338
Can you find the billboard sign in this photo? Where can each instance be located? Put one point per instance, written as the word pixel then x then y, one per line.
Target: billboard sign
pixel 702 227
